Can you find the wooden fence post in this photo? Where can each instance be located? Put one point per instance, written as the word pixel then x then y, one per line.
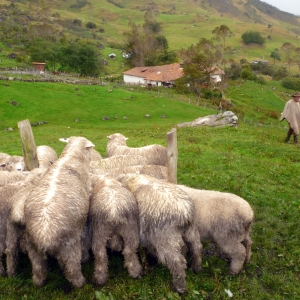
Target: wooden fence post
pixel 28 145
pixel 172 155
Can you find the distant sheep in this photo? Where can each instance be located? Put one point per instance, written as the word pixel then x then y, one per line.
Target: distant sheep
pixel 155 154
pixel 56 211
pixel 166 215
pixel 118 161
pixel 224 104
pixel 113 211
pixel 225 219
pixel 46 156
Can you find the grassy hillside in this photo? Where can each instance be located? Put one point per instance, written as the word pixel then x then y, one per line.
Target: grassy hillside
pixel 183 22
pixel 251 161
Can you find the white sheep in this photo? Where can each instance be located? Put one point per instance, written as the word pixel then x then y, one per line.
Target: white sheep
pixel 155 154
pixel 225 219
pixel 118 161
pixel 7 177
pixel 113 212
pixel 166 215
pixel 12 163
pixel 156 171
pixel 6 194
pixel 56 211
pixel 16 230
pixel 46 156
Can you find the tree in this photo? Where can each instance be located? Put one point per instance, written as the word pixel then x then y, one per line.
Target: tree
pixel 275 54
pixel 223 33
pixel 288 48
pixel 82 58
pixel 297 56
pixel 253 37
pixel 199 60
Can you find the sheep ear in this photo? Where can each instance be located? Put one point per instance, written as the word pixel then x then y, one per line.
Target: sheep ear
pixel 89 144
pixel 109 137
pixel 126 139
pixel 65 140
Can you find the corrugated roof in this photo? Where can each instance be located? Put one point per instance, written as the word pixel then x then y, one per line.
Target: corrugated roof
pixel 163 73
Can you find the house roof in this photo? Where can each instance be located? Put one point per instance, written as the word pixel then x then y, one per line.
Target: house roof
pixel 165 73
pixel 214 70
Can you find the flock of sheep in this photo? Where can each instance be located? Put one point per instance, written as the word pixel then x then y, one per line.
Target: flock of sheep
pixel 80 204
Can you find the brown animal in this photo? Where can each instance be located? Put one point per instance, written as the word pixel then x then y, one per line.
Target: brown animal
pixel 224 104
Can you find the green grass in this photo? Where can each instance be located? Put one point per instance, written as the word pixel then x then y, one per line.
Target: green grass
pixel 251 161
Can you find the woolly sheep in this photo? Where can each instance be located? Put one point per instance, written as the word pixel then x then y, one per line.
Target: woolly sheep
pixel 118 161
pixel 46 156
pixel 12 163
pixel 6 193
pixel 156 171
pixel 155 154
pixel 95 154
pixel 113 211
pixel 15 237
pixel 56 211
pixel 7 177
pixel 166 216
pixel 225 219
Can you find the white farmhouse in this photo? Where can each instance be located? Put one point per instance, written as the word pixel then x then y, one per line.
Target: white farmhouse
pixel 155 75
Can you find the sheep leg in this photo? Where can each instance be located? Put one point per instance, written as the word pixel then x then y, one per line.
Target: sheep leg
pixel 2 243
pixel 13 234
pixel 168 246
pixel 101 260
pixel 237 252
pixel 131 243
pixel 247 242
pixel 69 259
pixel 39 264
pixel 192 237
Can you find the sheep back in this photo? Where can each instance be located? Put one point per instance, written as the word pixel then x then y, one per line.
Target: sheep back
pixel 155 154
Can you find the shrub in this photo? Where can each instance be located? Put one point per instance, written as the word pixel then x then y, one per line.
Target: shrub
pixel 280 73
pixel 234 71
pixel 291 83
pixel 253 37
pixel 90 25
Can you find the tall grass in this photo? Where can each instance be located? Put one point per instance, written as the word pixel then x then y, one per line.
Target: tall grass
pixel 251 161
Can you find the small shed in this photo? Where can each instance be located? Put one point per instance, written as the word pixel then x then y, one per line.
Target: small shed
pixel 39 66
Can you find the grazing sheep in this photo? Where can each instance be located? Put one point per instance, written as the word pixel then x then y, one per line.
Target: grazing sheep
pixel 12 163
pixel 118 161
pixel 156 171
pixel 56 211
pixel 46 156
pixel 155 154
pixel 225 219
pixel 113 211
pixel 166 215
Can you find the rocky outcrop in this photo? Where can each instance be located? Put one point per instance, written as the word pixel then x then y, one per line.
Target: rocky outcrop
pixel 227 118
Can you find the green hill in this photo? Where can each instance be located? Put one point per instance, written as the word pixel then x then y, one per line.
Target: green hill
pixel 183 23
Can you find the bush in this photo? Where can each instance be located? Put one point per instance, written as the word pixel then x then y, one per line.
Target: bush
pixel 234 71
pixel 253 37
pixel 291 83
pixel 280 73
pixel 90 25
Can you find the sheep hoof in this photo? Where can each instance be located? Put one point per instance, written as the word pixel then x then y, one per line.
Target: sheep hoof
pixel 37 281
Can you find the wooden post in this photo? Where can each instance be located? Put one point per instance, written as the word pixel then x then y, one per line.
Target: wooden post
pixel 28 145
pixel 172 155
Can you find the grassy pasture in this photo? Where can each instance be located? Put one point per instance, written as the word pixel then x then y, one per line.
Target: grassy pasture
pixel 251 161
